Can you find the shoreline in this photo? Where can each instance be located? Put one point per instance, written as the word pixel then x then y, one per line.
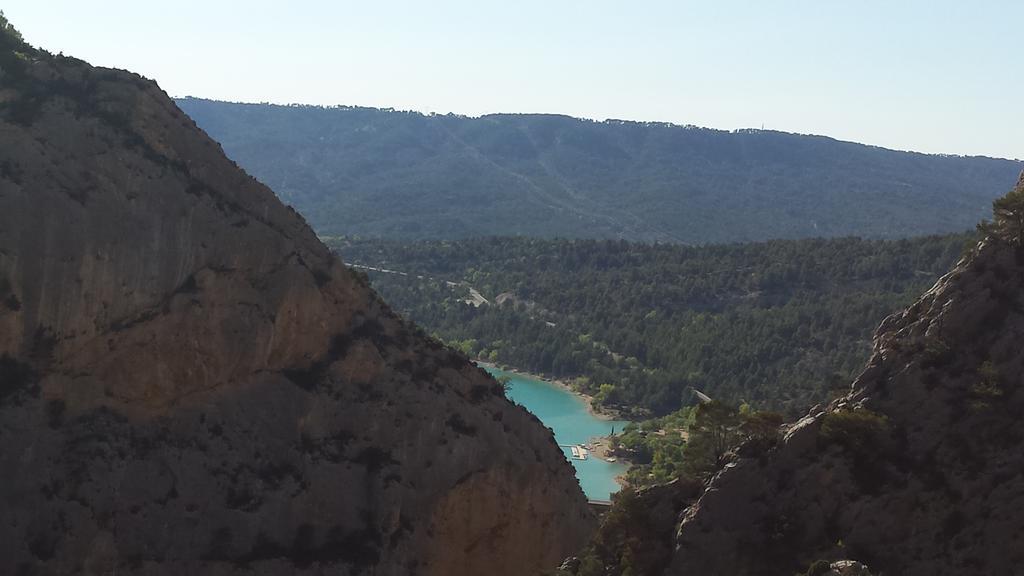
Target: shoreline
pixel 602 414
pixel 599 446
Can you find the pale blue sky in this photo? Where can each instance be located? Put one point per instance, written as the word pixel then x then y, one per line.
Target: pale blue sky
pixel 935 76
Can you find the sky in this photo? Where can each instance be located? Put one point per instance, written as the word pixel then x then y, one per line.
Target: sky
pixel 933 76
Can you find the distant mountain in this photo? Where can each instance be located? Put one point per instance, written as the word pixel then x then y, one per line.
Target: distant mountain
pixel 406 175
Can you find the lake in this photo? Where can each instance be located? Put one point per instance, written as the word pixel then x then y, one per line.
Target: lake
pixel 567 414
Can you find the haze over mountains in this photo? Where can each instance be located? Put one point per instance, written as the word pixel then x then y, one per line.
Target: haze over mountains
pixel 372 172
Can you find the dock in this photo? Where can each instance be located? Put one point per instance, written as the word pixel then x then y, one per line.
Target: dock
pixel 578 451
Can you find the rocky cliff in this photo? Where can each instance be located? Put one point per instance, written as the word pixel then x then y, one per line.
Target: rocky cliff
pixel 191 383
pixel 917 472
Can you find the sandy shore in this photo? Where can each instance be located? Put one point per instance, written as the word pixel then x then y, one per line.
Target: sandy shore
pixel 600 447
pixel 600 414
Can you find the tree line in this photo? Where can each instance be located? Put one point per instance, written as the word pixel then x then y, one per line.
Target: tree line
pixel 778 325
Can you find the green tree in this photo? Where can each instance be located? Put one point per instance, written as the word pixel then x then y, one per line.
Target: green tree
pixel 762 426
pixel 1007 217
pixel 715 430
pixel 9 31
pixel 605 392
pixel 505 381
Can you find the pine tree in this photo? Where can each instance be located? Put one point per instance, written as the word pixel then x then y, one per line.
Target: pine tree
pixel 9 31
pixel 1007 217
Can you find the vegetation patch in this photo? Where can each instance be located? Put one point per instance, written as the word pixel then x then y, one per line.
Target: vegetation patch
pixel 374 458
pixel 1007 224
pixel 936 354
pixel 694 442
pixel 858 430
pixel 636 536
pixel 330 448
pixel 638 326
pixel 459 425
pixel 988 389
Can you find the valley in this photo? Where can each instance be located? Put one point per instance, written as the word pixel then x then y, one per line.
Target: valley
pixel 267 340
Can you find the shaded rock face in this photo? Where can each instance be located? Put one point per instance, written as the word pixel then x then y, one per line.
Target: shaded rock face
pixel 918 471
pixel 191 383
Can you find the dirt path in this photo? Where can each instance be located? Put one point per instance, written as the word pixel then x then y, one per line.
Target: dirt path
pixel 475 297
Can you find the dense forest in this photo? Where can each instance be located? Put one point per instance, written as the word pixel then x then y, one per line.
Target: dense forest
pixel 389 174
pixel 777 325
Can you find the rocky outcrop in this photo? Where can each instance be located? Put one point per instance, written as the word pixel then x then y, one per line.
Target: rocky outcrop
pixel 190 383
pixel 917 472
pixel 847 568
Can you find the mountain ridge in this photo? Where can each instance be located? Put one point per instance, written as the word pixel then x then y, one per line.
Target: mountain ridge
pixel 379 173
pixel 586 119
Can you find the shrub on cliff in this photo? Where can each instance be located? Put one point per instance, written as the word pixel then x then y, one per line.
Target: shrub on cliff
pixel 1007 222
pixel 12 48
pixel 715 431
pixel 987 391
pixel 10 34
pixel 860 431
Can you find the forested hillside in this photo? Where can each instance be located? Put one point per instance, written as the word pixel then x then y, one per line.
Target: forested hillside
pixel 381 173
pixel 776 324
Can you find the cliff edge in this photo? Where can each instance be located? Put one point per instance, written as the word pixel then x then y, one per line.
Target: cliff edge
pixel 918 471
pixel 190 382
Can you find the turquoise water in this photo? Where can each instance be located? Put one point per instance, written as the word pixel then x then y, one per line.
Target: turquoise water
pixel 566 414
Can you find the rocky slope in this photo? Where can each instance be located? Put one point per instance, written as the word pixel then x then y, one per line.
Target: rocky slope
pixel 191 383
pixel 918 471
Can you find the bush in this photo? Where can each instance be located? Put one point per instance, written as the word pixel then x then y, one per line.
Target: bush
pixel 988 389
pixel 10 35
pixel 860 431
pixel 1007 217
pixel 936 354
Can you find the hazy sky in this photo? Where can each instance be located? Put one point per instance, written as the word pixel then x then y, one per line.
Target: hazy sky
pixel 928 75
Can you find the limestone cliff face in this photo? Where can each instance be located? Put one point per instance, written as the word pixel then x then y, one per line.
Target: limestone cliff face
pixel 191 383
pixel 918 471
